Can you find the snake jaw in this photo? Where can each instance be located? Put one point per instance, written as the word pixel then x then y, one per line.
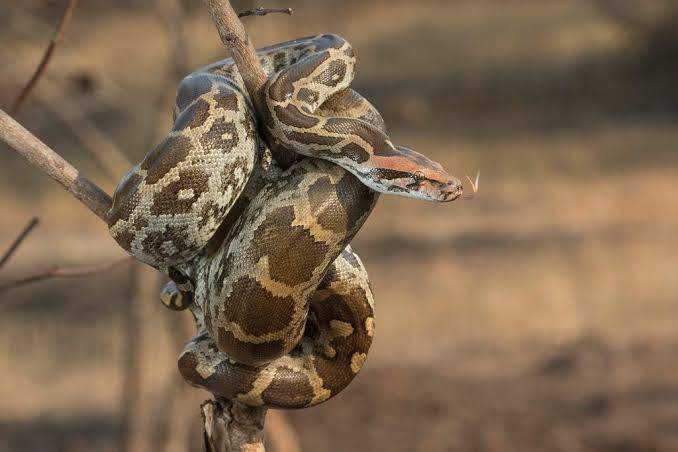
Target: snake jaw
pixel 452 190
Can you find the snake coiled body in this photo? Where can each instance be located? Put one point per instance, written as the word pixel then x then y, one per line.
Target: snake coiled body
pixel 262 255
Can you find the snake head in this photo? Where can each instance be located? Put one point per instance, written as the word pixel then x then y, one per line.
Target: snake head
pixel 407 173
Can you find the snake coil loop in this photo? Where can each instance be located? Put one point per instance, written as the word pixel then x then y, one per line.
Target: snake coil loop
pixel 262 256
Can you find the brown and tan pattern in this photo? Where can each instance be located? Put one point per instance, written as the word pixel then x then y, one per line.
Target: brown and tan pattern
pixel 261 256
pixel 336 338
pixel 167 208
pixel 303 100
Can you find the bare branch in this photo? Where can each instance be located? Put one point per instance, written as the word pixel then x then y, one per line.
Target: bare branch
pixel 43 157
pixel 232 426
pixel 234 36
pixel 261 11
pixel 64 272
pixel 17 242
pixel 57 37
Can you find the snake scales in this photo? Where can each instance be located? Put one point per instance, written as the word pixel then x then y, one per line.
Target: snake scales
pixel 261 254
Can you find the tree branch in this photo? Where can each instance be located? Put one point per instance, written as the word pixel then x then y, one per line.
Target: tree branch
pixel 235 38
pixel 43 157
pixel 233 35
pixel 232 426
pixel 17 242
pixel 57 37
pixel 64 272
pixel 261 11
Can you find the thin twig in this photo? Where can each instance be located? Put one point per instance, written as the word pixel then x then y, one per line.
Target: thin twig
pixel 64 272
pixel 108 94
pixel 17 242
pixel 261 11
pixel 57 37
pixel 77 117
pixel 107 153
pixel 43 157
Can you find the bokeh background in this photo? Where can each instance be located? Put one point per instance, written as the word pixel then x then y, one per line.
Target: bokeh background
pixel 540 316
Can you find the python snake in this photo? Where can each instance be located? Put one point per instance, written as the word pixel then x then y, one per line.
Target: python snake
pixel 261 254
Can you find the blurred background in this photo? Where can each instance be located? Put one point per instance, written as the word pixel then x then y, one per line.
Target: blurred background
pixel 539 316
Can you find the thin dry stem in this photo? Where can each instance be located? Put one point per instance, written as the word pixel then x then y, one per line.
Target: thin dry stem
pixel 57 37
pixel 18 241
pixel 261 11
pixel 64 272
pixel 44 158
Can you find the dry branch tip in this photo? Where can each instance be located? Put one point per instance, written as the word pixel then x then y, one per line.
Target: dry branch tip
pixel 261 11
pixel 64 272
pixel 19 240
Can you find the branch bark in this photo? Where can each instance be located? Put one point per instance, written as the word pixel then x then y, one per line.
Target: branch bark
pixel 233 35
pixel 44 158
pixel 64 272
pixel 232 426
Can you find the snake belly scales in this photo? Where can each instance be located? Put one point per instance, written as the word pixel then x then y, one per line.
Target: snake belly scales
pixel 261 254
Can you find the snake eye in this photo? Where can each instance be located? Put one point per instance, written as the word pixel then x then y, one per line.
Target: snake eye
pixel 419 176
